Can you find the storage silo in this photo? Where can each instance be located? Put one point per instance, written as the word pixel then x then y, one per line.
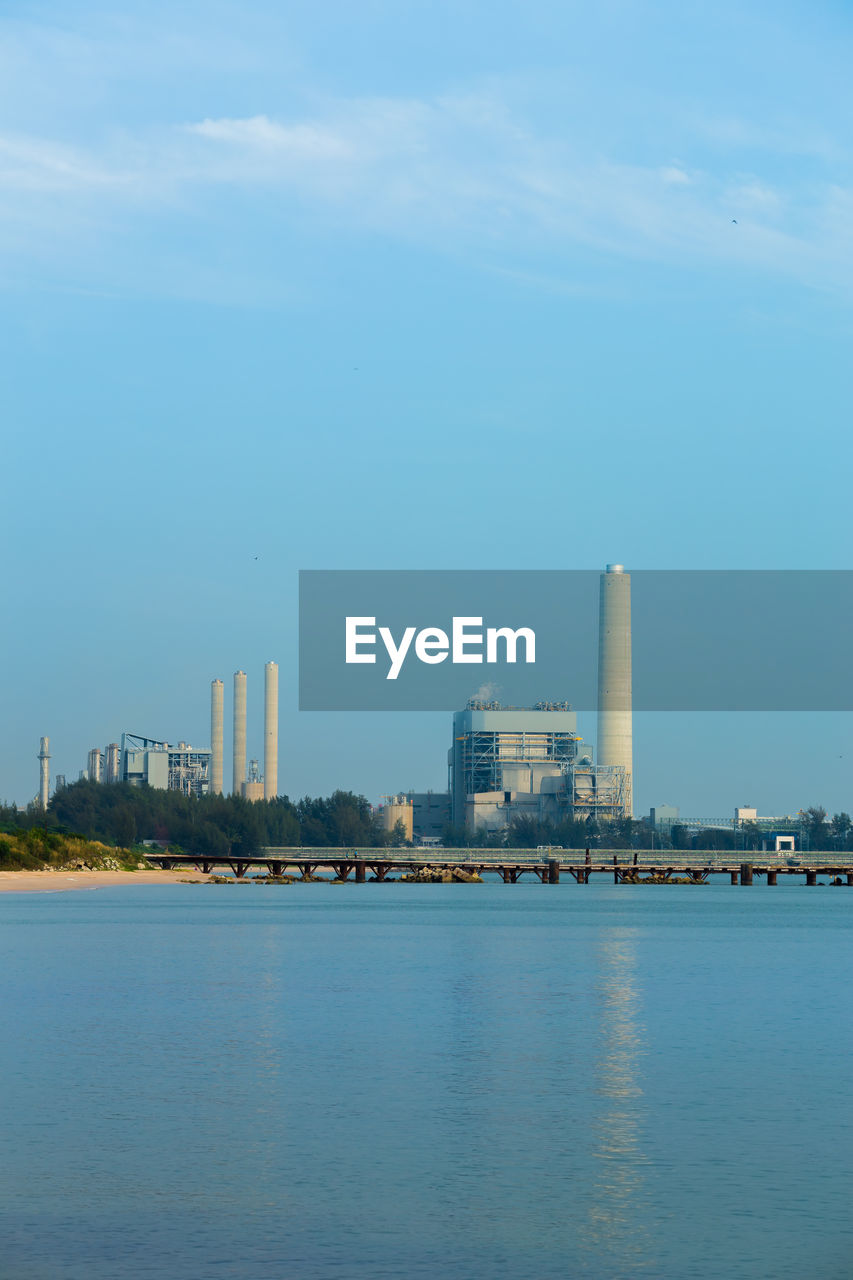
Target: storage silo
pixel 399 809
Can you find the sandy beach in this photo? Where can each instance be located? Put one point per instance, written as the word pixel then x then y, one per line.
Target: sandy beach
pixel 60 881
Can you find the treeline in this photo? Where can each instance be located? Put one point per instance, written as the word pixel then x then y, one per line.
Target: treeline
pixel 126 815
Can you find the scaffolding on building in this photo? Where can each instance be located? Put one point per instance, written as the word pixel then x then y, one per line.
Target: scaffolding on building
pixel 486 752
pixel 597 791
pixel 187 769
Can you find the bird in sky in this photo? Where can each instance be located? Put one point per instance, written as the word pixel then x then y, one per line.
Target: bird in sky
pixel 734 220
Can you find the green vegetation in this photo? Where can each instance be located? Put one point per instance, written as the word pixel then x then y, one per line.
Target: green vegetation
pixel 37 849
pixel 124 815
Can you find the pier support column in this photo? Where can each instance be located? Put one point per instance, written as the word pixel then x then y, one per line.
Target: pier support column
pixel 811 877
pixel 734 877
pixel 771 875
pixel 360 871
pixel 746 873
pixel 553 871
pixel 615 870
pixel 850 877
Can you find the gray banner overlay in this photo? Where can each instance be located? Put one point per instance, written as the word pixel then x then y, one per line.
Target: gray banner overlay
pixel 703 640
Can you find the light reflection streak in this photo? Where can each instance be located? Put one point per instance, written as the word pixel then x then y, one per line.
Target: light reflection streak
pixel 617 1220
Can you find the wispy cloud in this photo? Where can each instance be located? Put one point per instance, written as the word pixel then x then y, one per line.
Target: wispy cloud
pixel 453 171
pixel 39 165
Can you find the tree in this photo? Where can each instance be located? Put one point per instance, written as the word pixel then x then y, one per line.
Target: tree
pixel 840 828
pixel 398 836
pixel 815 826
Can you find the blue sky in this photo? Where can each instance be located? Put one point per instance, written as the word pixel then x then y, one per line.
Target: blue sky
pixel 415 285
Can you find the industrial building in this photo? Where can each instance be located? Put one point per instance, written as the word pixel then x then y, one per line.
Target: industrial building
pixel 431 814
pixel 527 762
pixel 182 767
pixel 425 815
pixel 253 787
pixel 507 763
pixel 168 768
pixel 779 834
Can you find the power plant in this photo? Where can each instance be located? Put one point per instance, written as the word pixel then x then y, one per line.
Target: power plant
pixel 511 763
pixel 140 760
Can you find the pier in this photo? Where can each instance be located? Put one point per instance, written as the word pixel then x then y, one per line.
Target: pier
pixel 549 866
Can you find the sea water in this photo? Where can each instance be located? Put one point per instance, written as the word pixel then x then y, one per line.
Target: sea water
pixel 457 1081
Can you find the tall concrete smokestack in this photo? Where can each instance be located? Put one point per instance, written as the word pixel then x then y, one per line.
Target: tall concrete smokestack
pixel 271 731
pixel 94 764
pixel 44 772
pixel 239 732
pixel 217 719
pixel 113 762
pixel 615 737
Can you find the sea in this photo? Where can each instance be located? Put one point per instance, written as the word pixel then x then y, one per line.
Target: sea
pixel 461 1081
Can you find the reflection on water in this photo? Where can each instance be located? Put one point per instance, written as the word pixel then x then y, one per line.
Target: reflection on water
pixel 509 1082
pixel 616 1217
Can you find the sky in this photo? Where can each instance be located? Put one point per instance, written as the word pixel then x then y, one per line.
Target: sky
pixel 410 285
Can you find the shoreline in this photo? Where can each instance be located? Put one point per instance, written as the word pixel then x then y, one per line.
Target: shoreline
pixel 62 881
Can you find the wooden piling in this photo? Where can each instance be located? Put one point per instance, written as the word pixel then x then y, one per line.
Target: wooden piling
pixel 746 873
pixel 771 875
pixel 811 877
pixel 553 871
pixel 360 871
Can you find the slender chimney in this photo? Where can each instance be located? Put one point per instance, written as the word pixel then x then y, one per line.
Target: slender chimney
pixel 271 731
pixel 217 717
pixel 113 762
pixel 44 772
pixel 95 763
pixel 615 744
pixel 239 732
